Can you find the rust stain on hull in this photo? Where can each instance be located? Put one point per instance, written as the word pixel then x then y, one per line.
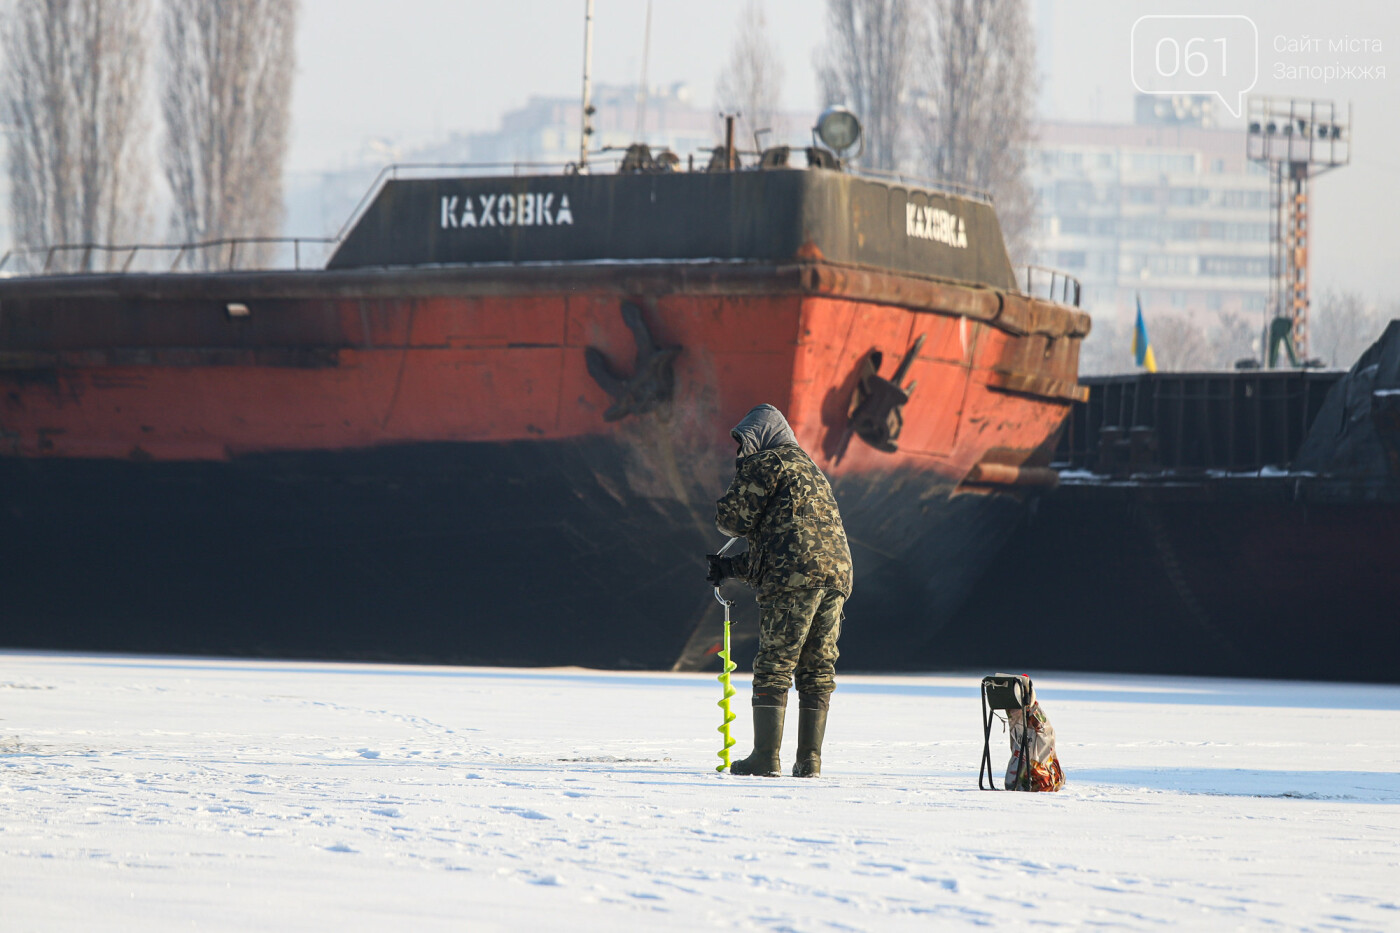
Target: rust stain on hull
pixel 306 372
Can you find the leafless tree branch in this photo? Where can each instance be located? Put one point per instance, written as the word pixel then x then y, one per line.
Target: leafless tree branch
pixel 1343 325
pixel 867 64
pixel 74 74
pixel 752 80
pixel 977 102
pixel 226 100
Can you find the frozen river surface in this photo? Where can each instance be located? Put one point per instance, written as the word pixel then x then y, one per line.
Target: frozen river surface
pixel 167 794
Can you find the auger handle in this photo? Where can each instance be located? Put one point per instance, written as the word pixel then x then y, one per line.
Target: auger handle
pixel 719 597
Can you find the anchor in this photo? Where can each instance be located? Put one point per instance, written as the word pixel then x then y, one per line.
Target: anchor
pixel 652 380
pixel 877 405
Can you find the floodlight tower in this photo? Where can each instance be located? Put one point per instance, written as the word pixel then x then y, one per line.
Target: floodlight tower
pixel 1297 139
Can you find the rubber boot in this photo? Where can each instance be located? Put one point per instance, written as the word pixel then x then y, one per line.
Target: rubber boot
pixel 811 730
pixel 767 739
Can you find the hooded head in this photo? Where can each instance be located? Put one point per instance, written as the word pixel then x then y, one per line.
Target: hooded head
pixel 763 428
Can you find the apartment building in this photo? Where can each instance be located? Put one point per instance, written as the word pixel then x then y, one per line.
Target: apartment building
pixel 1167 207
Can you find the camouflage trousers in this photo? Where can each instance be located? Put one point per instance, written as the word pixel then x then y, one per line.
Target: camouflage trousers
pixel 797 634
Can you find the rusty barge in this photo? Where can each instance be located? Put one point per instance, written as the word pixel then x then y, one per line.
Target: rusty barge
pixel 493 427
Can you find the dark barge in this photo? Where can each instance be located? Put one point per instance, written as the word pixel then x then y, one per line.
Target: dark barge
pixel 1240 524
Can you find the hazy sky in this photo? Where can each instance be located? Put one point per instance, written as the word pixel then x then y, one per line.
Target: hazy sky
pixel 419 69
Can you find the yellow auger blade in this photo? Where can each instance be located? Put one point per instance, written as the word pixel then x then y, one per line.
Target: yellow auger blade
pixel 729 665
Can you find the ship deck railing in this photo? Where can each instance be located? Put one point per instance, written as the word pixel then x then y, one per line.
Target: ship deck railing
pixel 268 253
pixel 242 253
pixel 1052 285
pixel 225 254
pixel 1237 421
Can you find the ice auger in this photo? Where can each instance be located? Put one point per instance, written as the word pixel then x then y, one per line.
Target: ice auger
pixel 728 665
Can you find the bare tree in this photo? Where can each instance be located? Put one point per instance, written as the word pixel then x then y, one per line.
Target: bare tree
pixel 1180 344
pixel 1343 325
pixel 226 99
pixel 867 64
pixel 1233 337
pixel 978 97
pixel 1107 351
pixel 73 78
pixel 752 80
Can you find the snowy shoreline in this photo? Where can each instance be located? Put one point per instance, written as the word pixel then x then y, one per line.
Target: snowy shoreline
pixel 160 794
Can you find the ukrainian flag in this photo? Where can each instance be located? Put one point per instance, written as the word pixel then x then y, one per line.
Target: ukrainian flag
pixel 1142 347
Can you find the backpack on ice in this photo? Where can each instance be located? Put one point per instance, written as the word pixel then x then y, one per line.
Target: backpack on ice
pixel 1034 765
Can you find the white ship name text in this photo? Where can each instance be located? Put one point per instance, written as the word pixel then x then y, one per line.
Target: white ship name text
pixel 505 210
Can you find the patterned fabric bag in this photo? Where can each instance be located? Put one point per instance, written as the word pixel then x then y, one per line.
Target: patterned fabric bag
pixel 1040 770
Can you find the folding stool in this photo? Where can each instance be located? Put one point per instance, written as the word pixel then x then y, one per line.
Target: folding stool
pixel 1002 692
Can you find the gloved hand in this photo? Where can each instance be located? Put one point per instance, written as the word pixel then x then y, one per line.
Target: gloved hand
pixel 721 569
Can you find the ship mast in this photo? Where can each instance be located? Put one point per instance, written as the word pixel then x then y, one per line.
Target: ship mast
pixel 586 129
pixel 640 131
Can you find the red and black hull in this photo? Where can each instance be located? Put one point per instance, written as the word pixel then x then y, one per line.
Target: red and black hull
pixel 418 464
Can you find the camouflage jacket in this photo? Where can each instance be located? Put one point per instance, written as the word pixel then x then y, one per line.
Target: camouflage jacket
pixel 782 503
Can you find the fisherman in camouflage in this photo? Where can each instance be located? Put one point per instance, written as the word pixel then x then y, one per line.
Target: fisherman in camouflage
pixel 799 566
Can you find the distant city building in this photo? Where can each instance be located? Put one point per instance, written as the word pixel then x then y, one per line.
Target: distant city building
pixel 546 129
pixel 1168 207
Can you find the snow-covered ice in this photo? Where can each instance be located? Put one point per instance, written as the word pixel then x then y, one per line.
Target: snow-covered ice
pixel 170 794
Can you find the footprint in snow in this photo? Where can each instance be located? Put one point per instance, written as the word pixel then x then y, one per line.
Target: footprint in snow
pixel 548 880
pixel 524 813
pixel 367 753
